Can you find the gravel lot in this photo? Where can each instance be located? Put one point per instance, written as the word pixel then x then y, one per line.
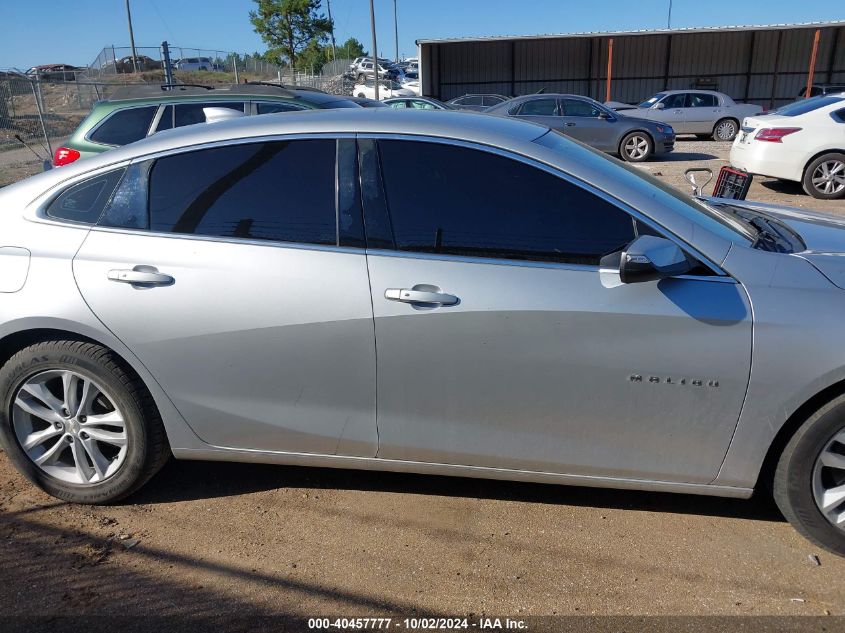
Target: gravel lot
pixel 215 539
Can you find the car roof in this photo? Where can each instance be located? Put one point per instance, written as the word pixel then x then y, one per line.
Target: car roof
pixel 152 94
pixel 465 126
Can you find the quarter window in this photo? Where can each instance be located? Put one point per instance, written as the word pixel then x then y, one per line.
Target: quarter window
pixel 84 201
pixel 125 126
pixel 467 202
pixel 283 191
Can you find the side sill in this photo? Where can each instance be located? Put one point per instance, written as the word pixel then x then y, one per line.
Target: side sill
pixel 452 470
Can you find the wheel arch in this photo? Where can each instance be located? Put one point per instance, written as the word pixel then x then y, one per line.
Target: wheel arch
pixel 790 427
pixel 830 150
pixel 178 433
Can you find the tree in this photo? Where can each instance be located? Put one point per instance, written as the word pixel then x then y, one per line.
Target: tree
pixel 351 49
pixel 288 26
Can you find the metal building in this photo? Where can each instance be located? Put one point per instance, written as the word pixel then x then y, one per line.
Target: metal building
pixel 767 65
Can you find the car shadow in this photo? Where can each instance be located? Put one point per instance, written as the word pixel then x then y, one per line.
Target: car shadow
pixel 783 186
pixel 193 480
pixel 682 156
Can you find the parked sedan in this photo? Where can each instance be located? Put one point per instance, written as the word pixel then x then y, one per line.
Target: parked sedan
pixel 592 123
pixel 702 112
pixel 803 142
pixel 476 102
pixel 541 313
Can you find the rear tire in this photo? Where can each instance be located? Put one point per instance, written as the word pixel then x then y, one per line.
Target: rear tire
pixel 810 478
pixel 111 452
pixel 824 177
pixel 725 130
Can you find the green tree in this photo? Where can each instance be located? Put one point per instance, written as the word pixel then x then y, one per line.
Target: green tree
pixel 314 56
pixel 351 49
pixel 289 26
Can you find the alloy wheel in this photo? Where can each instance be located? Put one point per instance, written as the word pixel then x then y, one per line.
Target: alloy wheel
pixel 829 481
pixel 69 427
pixel 726 130
pixel 636 147
pixel 829 177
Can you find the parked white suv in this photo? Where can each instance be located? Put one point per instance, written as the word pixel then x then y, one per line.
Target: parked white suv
pixel 195 63
pixel 803 141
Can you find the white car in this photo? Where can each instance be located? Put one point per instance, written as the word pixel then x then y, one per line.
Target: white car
pixel 803 141
pixel 386 90
pixel 413 85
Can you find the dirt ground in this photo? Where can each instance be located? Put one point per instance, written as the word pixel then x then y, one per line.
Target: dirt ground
pixel 206 539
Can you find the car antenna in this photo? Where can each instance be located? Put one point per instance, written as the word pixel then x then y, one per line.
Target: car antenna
pixel 29 147
pixel 540 91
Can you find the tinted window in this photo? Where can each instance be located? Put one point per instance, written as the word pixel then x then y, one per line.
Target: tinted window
pixel 576 107
pixel 539 107
pixel 698 100
pixel 190 113
pixel 807 105
pixel 491 100
pixel 398 104
pixel 281 191
pixel 125 126
pixel 675 101
pixel 84 201
pixel 839 116
pixel 421 105
pixel 270 108
pixel 470 101
pixel 514 211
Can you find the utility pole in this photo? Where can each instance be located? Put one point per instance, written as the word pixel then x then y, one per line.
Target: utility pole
pixel 669 19
pixel 334 49
pixel 396 30
pixel 375 49
pixel 131 38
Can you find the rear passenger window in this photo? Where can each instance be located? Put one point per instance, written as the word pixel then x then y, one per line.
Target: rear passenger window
pixel 515 211
pixel 282 191
pixel 270 108
pixel 183 114
pixel 125 126
pixel 84 201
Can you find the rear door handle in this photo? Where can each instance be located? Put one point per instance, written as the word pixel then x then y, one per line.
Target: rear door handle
pixel 412 295
pixel 569 124
pixel 141 276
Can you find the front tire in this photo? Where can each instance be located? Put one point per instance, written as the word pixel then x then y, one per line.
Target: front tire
pixel 809 483
pixel 636 147
pixel 824 177
pixel 78 423
pixel 725 130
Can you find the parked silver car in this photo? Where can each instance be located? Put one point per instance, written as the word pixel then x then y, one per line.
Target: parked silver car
pixel 540 313
pixel 592 123
pixel 705 113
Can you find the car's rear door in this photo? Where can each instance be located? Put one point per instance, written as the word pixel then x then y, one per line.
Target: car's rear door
pixel 233 273
pixel 701 112
pixel 501 343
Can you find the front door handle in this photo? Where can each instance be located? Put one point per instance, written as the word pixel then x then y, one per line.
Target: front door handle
pixel 429 295
pixel 569 124
pixel 141 276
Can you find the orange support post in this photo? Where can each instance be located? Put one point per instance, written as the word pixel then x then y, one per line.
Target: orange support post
pixel 813 64
pixel 609 68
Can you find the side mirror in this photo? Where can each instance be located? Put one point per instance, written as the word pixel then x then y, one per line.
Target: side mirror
pixel 606 116
pixel 648 258
pixel 659 106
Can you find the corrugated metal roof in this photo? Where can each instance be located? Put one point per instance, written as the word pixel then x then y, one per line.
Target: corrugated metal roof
pixel 704 29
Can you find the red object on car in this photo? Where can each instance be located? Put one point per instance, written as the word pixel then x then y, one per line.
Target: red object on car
pixel 775 134
pixel 65 156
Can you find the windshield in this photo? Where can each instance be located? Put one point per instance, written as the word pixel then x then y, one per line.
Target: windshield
pixel 807 105
pixel 650 102
pixel 718 221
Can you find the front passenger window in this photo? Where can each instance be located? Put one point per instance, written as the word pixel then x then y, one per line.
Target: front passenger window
pixel 516 211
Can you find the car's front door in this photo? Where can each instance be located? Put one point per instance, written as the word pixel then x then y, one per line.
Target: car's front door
pixel 673 111
pixel 583 120
pixel 501 343
pixel 220 269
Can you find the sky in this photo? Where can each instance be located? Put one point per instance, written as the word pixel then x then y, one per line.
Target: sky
pixel 36 32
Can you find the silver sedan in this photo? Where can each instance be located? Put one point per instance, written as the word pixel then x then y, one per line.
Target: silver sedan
pixel 705 113
pixel 275 289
